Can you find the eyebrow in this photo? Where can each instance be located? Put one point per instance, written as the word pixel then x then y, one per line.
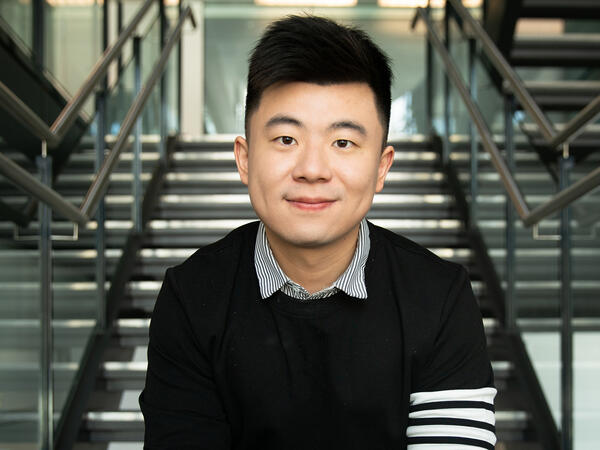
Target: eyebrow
pixel 288 120
pixel 348 124
pixel 283 120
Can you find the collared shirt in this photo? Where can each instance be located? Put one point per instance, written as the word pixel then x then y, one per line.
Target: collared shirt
pixel 271 277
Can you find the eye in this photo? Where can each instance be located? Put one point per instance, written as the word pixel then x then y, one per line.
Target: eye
pixel 343 143
pixel 286 140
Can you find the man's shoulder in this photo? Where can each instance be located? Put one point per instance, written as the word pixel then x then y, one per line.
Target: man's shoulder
pixel 222 254
pixel 408 251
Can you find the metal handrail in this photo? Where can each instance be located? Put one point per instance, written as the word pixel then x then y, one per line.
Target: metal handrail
pixel 54 134
pixel 575 126
pixel 82 215
pixel 100 182
pixel 26 115
pixel 552 137
pixel 37 189
pixel 529 217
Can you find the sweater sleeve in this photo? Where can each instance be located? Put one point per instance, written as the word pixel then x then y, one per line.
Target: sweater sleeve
pixel 180 403
pixel 452 399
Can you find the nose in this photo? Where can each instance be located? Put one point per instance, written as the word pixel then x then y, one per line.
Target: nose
pixel 312 164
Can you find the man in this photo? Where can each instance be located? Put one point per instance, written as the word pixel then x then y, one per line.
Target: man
pixel 314 329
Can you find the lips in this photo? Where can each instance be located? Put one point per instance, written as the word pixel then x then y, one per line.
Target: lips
pixel 310 203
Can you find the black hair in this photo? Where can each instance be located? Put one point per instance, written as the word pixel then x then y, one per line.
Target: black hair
pixel 317 50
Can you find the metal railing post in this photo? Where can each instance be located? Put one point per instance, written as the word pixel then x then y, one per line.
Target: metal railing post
pixel 510 235
pixel 474 188
pixel 136 163
pixel 46 400
pixel 38 23
pixel 446 147
pixel 101 211
pixel 179 55
pixel 163 86
pixel 429 97
pixel 119 29
pixel 566 163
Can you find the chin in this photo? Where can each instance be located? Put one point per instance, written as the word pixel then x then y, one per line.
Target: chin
pixel 306 235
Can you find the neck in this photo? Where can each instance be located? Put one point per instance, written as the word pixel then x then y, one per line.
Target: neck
pixel 314 268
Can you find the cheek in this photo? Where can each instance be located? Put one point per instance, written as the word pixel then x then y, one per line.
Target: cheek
pixel 265 176
pixel 360 176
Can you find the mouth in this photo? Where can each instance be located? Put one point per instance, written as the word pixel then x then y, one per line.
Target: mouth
pixel 310 203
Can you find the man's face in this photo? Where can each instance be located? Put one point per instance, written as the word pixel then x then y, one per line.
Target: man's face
pixel 314 160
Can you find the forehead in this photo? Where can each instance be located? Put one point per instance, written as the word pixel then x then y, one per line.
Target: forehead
pixel 318 106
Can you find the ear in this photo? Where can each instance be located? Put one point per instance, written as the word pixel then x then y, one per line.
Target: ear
pixel 385 162
pixel 240 150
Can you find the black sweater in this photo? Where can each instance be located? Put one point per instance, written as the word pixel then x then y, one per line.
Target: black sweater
pixel 229 370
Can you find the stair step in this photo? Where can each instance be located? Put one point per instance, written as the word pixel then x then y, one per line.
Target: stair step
pixel 567 50
pixel 563 95
pixel 573 9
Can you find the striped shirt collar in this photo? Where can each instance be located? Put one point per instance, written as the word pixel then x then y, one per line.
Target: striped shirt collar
pixel 271 277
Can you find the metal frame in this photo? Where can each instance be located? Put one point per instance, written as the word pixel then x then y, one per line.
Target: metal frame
pixel 547 431
pixel 46 391
pixel 566 294
pixel 38 29
pixel 50 200
pixel 100 243
pixel 553 138
pixel 136 163
pixel 510 232
pixel 568 193
pixel 98 187
pixel 528 217
pixel 100 184
pixel 54 134
pixel 68 427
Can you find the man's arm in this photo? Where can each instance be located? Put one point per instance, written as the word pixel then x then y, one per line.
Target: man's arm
pixel 453 398
pixel 180 403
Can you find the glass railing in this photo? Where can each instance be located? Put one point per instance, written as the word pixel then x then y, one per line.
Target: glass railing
pixel 20 341
pixel 585 288
pixel 83 259
pixel 545 270
pixel 72 42
pixel 18 15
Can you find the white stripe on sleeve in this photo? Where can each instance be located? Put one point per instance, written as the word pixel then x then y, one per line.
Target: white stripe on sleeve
pixel 459 418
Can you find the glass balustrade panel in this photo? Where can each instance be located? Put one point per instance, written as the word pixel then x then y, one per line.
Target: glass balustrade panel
pixel 16 19
pixel 20 332
pixel 73 43
pixel 585 289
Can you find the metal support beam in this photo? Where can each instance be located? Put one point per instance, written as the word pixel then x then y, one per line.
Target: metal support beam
pixel 446 148
pixel 566 337
pixel 474 188
pixel 429 85
pixel 163 85
pixel 46 400
pixel 119 29
pixel 100 212
pixel 179 80
pixel 510 234
pixel 136 163
pixel 38 27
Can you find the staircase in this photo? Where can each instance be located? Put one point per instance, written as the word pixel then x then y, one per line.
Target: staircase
pixel 562 73
pixel 202 200
pixel 74 289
